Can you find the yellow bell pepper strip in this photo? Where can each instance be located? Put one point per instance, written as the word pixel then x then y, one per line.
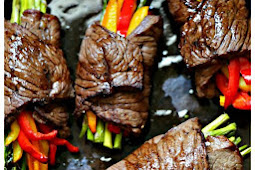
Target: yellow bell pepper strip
pixel 137 18
pixel 110 16
pixel 92 121
pixel 107 137
pixel 126 14
pixel 17 151
pixel 13 135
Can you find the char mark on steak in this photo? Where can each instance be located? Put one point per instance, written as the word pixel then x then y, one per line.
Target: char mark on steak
pixel 110 68
pixel 45 26
pixel 34 72
pixel 182 147
pixel 182 10
pixel 217 31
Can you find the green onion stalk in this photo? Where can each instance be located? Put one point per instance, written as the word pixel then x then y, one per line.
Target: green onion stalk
pixel 246 151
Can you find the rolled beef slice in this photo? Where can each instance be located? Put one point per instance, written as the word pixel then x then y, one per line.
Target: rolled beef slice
pixel 113 73
pixel 35 72
pixel 184 147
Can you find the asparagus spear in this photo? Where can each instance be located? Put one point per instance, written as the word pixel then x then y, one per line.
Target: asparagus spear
pixel 246 151
pixel 24 163
pixel 243 147
pixel 23 6
pixel 99 135
pixel 216 123
pixel 221 131
pixel 90 135
pixel 15 11
pixel 43 6
pixel 84 127
pixel 232 138
pixel 38 5
pixel 30 4
pixel 107 137
pixel 237 141
pixel 117 141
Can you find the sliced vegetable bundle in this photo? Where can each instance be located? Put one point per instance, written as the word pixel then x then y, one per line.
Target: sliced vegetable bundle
pixel 37 86
pixel 113 74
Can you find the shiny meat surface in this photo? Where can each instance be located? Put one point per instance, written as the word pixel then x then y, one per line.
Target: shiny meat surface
pixel 218 30
pixel 113 73
pixel 34 71
pixel 182 10
pixel 45 26
pixel 223 154
pixel 182 147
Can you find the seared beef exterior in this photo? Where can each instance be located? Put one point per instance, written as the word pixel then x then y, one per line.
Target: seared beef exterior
pixel 45 26
pixel 182 147
pixel 218 31
pixel 113 73
pixel 35 72
pixel 223 154
pixel 182 10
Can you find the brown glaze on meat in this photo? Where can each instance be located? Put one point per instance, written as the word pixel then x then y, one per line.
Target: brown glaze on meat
pixel 182 147
pixel 223 154
pixel 34 72
pixel 218 30
pixel 182 10
pixel 45 26
pixel 113 73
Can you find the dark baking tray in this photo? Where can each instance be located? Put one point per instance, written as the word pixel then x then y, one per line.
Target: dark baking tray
pixel 170 91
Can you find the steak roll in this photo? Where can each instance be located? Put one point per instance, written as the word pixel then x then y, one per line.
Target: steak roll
pixel 114 73
pixel 36 74
pixel 184 147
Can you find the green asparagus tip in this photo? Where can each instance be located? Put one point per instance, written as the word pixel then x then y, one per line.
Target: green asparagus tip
pixel 237 140
pixel 243 147
pixel 141 4
pixel 221 131
pixel 99 135
pixel 246 151
pixel 84 127
pixel 117 141
pixel 232 138
pixel 90 135
pixel 107 137
pixel 216 123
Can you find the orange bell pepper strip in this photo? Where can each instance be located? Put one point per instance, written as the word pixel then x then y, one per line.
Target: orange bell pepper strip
pixel 30 162
pixel 17 151
pixel 13 135
pixel 137 18
pixel 44 145
pixel 92 121
pixel 110 16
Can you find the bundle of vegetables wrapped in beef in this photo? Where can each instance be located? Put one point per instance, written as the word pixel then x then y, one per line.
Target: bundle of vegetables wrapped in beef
pixel 37 85
pixel 215 42
pixel 186 146
pixel 113 74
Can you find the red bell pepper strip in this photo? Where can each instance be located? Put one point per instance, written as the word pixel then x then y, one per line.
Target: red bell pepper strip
pixel 26 145
pixel 242 101
pixel 70 147
pixel 23 121
pixel 222 83
pixel 114 129
pixel 58 141
pixel 233 83
pixel 245 69
pixel 126 14
pixel 52 155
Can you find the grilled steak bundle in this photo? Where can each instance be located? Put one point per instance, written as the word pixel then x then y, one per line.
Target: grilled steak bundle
pixel 36 74
pixel 113 73
pixel 214 32
pixel 184 147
